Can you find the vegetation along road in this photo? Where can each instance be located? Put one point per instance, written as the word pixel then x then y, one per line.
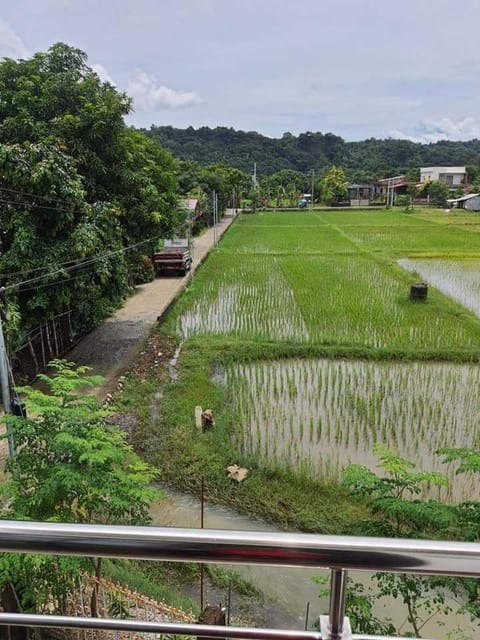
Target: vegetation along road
pixel 111 348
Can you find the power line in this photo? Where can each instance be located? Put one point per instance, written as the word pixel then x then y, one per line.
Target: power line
pixel 33 204
pixel 82 264
pixel 33 195
pixel 52 284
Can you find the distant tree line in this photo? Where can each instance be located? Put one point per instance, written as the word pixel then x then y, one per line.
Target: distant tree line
pixel 362 160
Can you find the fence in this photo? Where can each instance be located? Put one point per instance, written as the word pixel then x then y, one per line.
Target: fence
pixel 115 600
pixel 338 553
pixel 51 340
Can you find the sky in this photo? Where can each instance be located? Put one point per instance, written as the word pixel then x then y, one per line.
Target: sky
pixel 357 68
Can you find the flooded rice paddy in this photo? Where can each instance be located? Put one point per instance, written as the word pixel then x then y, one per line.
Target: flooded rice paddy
pixel 458 279
pixel 344 300
pixel 264 307
pixel 317 416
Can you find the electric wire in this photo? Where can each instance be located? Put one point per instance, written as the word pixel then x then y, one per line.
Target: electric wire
pixel 33 204
pixel 32 195
pixel 79 265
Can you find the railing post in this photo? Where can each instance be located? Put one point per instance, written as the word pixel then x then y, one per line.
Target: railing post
pixel 335 626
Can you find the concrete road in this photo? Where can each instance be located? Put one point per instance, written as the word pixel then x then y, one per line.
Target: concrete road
pixel 111 348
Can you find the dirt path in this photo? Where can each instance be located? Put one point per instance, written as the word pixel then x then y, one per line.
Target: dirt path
pixel 111 348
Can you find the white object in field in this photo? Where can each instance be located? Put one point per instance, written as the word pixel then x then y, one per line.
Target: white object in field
pixel 237 473
pixel 198 417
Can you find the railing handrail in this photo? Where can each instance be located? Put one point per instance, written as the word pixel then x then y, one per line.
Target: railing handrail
pixel 391 555
pixel 337 553
pixel 184 629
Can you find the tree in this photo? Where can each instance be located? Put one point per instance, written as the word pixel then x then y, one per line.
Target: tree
pixel 334 186
pixel 438 192
pixel 393 495
pixel 47 227
pixel 76 183
pixel 70 464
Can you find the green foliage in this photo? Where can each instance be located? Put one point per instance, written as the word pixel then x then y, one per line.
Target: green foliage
pixel 363 160
pixel 334 186
pixel 438 192
pixel 40 583
pixel 392 495
pixel 71 466
pixel 200 182
pixel 360 602
pixel 79 184
pixel 118 606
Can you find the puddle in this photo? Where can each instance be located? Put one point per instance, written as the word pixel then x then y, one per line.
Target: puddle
pixel 172 364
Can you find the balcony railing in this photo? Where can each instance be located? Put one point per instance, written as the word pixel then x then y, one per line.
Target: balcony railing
pixel 337 553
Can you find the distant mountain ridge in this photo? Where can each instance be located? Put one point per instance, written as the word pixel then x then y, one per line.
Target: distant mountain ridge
pixel 309 151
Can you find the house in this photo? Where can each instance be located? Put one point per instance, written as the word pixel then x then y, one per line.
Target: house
pixel 451 176
pixel 399 184
pixel 360 194
pixel 470 202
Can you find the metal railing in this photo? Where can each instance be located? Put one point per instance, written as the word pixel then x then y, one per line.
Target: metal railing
pixel 337 553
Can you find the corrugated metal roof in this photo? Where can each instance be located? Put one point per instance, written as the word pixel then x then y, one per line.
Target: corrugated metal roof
pixel 463 198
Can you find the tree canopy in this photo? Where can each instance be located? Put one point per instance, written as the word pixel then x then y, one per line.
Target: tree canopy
pixel 78 187
pixel 363 160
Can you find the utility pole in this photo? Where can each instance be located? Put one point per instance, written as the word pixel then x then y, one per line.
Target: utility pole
pixel 216 219
pixel 214 205
pixel 313 183
pixel 4 374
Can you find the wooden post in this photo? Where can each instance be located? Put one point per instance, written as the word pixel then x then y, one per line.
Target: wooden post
pixel 202 523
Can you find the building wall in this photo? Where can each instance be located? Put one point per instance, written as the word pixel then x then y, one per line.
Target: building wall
pixel 473 204
pixel 449 175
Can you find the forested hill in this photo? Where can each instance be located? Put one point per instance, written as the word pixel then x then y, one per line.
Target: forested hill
pixel 310 151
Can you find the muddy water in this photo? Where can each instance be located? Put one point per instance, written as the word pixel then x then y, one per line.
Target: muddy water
pixel 458 279
pixel 318 416
pixel 287 590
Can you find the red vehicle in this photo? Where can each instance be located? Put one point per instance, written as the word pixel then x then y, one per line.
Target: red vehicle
pixel 175 256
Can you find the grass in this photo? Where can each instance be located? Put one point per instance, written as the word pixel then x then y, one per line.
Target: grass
pixel 303 286
pixel 322 285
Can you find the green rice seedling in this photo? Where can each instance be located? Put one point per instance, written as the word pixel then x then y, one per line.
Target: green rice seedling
pixel 414 407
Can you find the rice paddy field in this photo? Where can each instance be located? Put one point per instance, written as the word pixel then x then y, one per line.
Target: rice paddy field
pixel 400 373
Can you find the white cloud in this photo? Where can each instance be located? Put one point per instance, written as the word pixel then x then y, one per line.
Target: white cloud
pixel 148 96
pixel 11 45
pixel 103 73
pixel 443 129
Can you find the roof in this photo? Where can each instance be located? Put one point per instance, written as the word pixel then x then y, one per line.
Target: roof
pixel 190 203
pixel 395 181
pixel 360 186
pixel 463 198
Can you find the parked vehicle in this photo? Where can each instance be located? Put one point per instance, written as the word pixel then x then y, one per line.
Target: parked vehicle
pixel 174 256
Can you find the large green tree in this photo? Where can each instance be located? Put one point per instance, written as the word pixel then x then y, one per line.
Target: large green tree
pixel 334 186
pixel 76 186
pixel 50 239
pixel 55 97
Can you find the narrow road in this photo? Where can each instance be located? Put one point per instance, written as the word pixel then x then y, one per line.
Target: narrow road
pixel 111 348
